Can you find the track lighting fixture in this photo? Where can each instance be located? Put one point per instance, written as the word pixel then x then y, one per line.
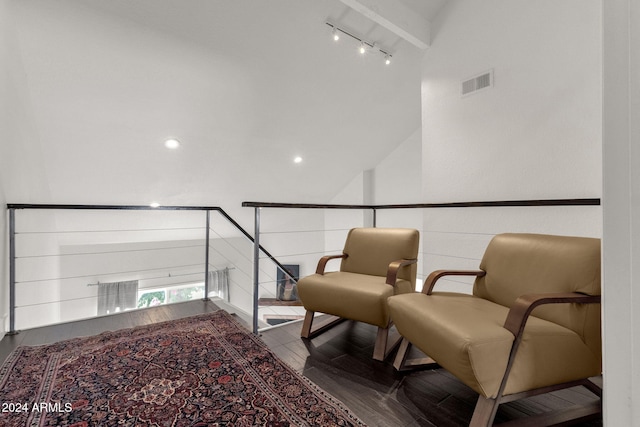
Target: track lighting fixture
pixel 364 46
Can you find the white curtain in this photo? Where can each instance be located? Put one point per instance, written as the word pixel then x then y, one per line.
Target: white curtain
pixel 117 296
pixel 219 283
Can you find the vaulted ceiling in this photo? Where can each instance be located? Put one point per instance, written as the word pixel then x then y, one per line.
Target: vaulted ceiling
pixel 245 85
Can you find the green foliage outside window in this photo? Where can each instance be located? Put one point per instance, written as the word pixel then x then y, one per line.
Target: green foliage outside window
pixel 185 294
pixel 151 299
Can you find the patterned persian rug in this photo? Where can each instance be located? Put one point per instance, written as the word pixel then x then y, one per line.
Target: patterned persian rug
pixel 206 370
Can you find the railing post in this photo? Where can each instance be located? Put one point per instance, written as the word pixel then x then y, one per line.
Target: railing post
pixel 256 268
pixel 12 272
pixel 375 212
pixel 206 259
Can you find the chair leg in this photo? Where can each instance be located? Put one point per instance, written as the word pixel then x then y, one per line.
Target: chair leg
pixel 403 363
pixel 380 348
pixel 383 347
pixel 484 413
pixel 306 325
pixel 401 356
pixel 324 325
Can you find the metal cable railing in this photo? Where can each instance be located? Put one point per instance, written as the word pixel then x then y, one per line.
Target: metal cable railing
pixel 59 252
pixel 334 230
pixel 178 251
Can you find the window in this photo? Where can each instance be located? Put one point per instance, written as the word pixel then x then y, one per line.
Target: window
pixel 151 297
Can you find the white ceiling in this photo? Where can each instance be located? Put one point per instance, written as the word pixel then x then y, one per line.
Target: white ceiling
pixel 246 85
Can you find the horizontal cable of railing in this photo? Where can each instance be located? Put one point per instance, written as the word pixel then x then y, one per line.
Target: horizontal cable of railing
pixel 70 254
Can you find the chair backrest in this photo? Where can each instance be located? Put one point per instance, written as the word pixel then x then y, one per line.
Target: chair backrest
pixel 518 264
pixel 371 250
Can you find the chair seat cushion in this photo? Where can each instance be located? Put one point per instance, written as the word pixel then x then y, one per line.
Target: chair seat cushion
pixel 465 335
pixel 354 296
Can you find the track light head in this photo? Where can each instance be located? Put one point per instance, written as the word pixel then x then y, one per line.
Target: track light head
pixel 336 35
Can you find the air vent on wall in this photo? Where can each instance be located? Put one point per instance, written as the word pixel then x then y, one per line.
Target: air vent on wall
pixel 477 83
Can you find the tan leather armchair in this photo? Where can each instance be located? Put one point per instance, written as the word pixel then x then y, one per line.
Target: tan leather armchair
pixel 532 324
pixel 376 263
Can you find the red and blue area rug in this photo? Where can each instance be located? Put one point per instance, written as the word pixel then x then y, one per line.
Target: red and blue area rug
pixel 206 370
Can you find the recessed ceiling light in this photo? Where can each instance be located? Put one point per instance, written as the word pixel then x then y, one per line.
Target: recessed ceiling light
pixel 298 159
pixel 172 143
pixel 154 205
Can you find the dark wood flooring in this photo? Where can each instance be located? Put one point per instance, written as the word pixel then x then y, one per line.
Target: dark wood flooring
pixel 339 361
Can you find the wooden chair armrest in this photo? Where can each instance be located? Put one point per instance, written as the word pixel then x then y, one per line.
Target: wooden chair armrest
pixel 520 311
pixel 323 262
pixel 524 305
pixel 430 281
pixel 392 271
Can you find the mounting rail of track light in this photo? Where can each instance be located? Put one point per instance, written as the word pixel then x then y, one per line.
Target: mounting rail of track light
pixel 364 44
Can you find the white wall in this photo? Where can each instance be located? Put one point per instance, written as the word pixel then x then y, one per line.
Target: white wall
pixel 536 134
pixel 15 127
pixel 621 240
pixel 338 222
pixel 108 81
pixel 23 173
pixel 398 178
pixel 4 264
pixel 292 236
pixel 4 124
